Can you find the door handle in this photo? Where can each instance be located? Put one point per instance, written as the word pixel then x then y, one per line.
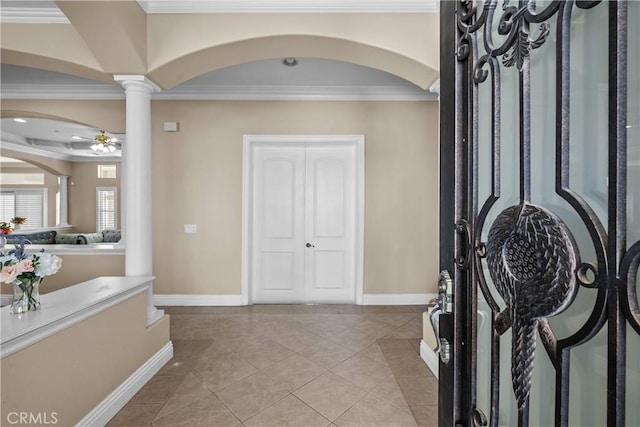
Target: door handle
pixel 309 245
pixel 443 305
pixel 442 347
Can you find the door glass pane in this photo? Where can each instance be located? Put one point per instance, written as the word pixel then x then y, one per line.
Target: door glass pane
pixel 589 106
pixel 588 144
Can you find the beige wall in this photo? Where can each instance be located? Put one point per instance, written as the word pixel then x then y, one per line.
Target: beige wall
pixel 197 179
pixel 205 188
pixel 80 268
pixel 82 194
pixel 77 269
pixel 71 372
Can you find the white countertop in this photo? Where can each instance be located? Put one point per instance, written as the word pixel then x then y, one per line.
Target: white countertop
pixel 59 249
pixel 64 308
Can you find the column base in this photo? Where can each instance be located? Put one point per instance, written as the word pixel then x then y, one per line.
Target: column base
pixel 154 316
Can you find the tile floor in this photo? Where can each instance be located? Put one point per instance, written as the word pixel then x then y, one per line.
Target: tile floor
pixel 290 365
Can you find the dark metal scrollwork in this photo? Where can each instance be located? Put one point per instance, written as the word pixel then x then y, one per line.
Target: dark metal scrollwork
pixel 529 253
pixel 532 260
pixel 513 22
pixel 514 25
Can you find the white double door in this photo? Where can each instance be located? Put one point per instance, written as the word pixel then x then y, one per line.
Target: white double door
pixel 304 223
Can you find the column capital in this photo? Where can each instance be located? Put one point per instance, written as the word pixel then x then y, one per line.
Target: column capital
pixel 136 80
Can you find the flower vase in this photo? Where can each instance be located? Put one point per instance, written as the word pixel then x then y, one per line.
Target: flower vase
pixel 26 296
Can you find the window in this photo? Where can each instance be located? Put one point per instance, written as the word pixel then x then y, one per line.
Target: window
pixel 106 205
pixel 107 171
pixel 30 204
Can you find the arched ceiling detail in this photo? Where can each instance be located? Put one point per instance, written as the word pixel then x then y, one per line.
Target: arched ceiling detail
pixel 197 63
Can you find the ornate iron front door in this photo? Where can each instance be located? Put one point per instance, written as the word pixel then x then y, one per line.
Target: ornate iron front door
pixel 540 212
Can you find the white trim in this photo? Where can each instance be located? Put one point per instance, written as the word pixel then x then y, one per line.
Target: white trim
pixel 397 299
pixel 290 6
pixel 435 87
pixel 243 299
pixel 430 358
pixel 32 15
pixel 360 177
pixel 102 249
pixel 249 141
pixel 189 92
pixel 109 407
pixel 197 300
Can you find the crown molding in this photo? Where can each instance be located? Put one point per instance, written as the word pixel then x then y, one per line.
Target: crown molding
pixel 32 15
pixel 223 93
pixel 290 6
pixel 61 91
pixel 294 93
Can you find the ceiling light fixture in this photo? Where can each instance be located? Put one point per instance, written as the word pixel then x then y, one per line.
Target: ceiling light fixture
pixel 290 62
pixel 102 143
pixel 19 120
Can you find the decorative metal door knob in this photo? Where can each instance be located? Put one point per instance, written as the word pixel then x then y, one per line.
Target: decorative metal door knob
pixel 309 245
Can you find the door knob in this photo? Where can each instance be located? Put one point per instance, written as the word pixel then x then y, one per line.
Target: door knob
pixel 309 245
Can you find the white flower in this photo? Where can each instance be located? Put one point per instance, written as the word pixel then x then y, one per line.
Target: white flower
pixel 47 264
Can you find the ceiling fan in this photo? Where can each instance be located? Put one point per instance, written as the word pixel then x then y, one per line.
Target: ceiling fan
pixel 104 143
pixel 101 143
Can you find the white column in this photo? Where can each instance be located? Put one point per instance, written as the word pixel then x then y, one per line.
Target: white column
pixel 63 207
pixel 136 181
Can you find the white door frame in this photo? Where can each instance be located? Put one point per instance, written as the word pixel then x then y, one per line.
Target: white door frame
pixel 249 142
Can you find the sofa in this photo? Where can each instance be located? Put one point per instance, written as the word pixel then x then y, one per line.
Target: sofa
pixel 50 237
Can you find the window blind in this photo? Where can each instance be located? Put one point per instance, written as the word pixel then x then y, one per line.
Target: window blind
pixel 30 204
pixel 106 208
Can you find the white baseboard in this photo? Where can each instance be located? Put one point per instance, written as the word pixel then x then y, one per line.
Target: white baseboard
pixel 196 300
pixel 430 358
pixel 397 299
pixel 109 407
pixel 236 300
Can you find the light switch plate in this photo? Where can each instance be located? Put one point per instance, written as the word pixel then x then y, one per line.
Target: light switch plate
pixel 190 228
